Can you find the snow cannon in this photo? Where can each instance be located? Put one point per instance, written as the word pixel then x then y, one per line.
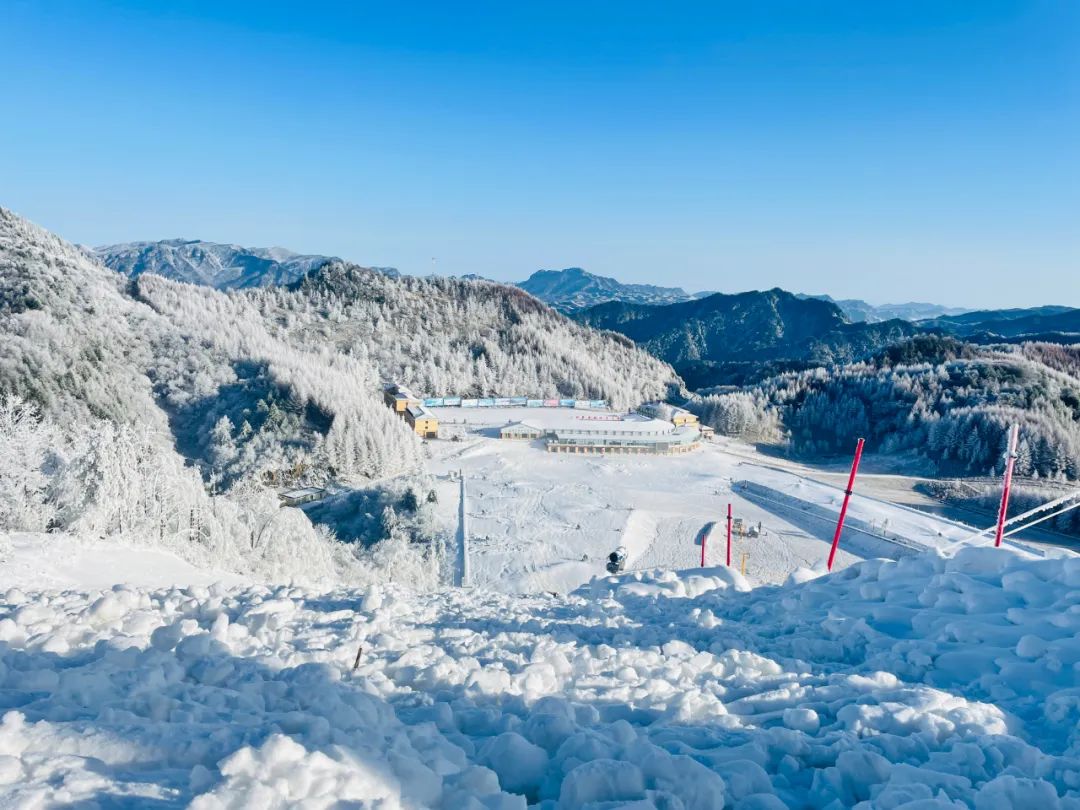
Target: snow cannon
pixel 616 560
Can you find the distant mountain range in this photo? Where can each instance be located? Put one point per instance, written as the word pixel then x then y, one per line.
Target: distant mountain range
pixel 986 325
pixel 731 339
pixel 858 311
pixel 710 338
pixel 212 264
pixel 574 289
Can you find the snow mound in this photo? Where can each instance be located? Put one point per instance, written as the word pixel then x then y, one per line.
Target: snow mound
pixel 660 583
pixel 927 682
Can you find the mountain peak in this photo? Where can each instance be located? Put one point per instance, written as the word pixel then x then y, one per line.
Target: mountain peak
pixel 575 288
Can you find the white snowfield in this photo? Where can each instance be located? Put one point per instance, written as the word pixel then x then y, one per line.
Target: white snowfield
pixel 543 521
pixel 923 683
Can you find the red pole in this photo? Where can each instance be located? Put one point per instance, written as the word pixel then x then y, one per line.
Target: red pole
pixel 704 537
pixel 847 498
pixel 729 535
pixel 1010 460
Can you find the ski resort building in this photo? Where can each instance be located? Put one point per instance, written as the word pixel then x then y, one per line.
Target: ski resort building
pixel 399 398
pixel 683 417
pixel 521 430
pixel 298 497
pixel 660 442
pixel 422 421
pixel 679 417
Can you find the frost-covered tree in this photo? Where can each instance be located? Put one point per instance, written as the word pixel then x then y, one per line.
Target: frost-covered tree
pixel 182 408
pixel 950 402
pixel 27 443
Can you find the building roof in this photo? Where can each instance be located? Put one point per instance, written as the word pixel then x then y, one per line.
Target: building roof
pixel 303 492
pixel 686 434
pixel 522 426
pixel 420 412
pixel 664 410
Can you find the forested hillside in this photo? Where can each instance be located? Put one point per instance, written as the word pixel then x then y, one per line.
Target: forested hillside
pixel 447 336
pixel 949 401
pixel 85 446
pixel 167 412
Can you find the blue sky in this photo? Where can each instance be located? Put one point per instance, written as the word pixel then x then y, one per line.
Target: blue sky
pixel 875 149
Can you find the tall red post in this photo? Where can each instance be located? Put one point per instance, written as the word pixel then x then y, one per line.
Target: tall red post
pixel 704 537
pixel 729 535
pixel 847 499
pixel 1010 461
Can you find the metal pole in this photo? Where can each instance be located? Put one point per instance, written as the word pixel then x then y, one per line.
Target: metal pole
pixel 1010 461
pixel 729 535
pixel 847 499
pixel 704 537
pixel 463 547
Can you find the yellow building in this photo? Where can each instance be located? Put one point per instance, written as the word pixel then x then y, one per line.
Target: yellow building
pixel 399 398
pixel 422 421
pixel 682 417
pixel 679 417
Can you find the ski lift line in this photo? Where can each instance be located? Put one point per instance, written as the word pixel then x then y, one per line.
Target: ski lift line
pixel 896 540
pixel 1061 511
pixel 971 539
pixel 1025 515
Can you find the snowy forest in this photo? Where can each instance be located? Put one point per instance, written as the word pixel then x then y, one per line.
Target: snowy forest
pixel 152 409
pixel 949 401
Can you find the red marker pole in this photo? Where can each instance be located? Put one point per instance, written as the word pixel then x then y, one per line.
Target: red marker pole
pixel 847 499
pixel 1010 460
pixel 704 537
pixel 729 535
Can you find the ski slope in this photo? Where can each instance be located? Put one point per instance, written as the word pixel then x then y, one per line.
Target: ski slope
pixel 546 522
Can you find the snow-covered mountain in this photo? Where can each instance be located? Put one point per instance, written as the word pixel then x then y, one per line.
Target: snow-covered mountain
pixel 91 442
pixel 210 263
pixel 574 288
pixel 146 381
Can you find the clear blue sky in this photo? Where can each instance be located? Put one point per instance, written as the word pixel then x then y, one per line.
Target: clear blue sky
pixel 925 150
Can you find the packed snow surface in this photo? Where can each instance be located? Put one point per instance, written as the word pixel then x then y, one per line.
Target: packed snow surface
pixel 542 521
pixel 924 682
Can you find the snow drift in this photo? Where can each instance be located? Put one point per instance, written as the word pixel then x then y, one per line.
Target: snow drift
pixel 927 682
